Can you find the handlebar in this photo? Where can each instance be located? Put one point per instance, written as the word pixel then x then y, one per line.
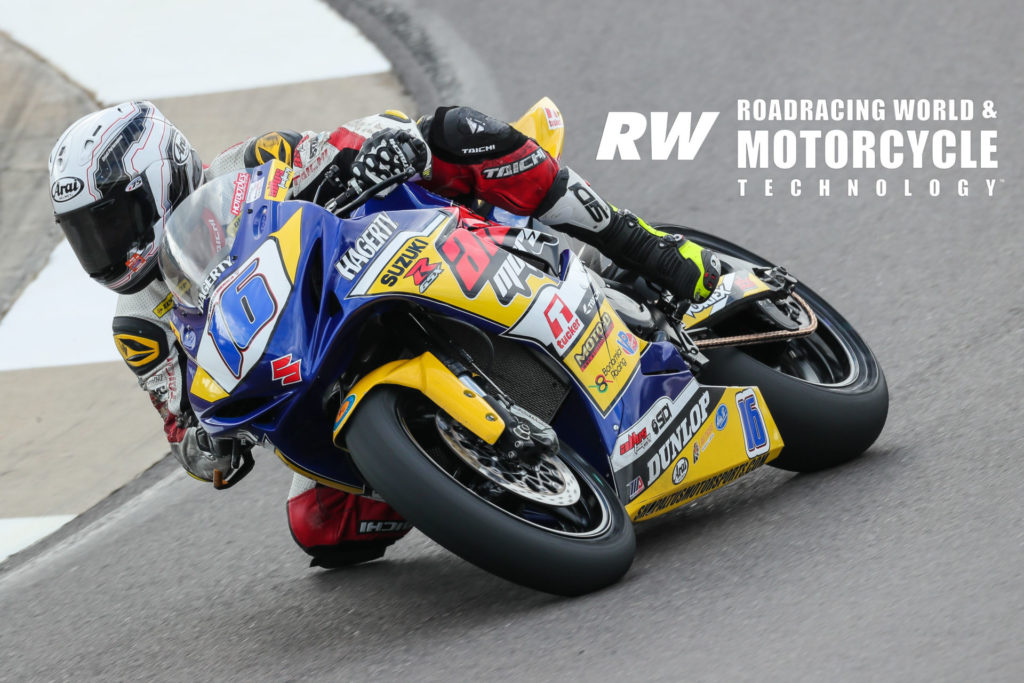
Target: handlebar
pixel 350 199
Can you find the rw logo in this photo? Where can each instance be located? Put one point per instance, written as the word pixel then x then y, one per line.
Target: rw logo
pixel 623 128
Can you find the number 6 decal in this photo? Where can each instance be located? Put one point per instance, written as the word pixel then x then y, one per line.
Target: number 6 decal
pixel 243 309
pixel 240 312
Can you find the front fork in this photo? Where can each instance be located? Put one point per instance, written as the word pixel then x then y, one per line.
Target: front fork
pixel 447 376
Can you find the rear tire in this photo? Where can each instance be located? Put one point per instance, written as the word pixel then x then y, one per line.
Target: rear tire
pixel 829 409
pixel 419 481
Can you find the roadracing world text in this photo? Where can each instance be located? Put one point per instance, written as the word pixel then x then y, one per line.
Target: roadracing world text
pixel 831 147
pixel 858 147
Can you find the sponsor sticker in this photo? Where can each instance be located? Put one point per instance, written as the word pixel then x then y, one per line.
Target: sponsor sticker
pixel 366 246
pixel 345 409
pixel 476 260
pixel 554 118
pixel 164 306
pixel 564 324
pixel 594 341
pixel 702 443
pixel 241 187
pixel 699 489
pixel 746 283
pixel 400 265
pixel 628 342
pixel 635 487
pixel 717 301
pixel 279 178
pixel 255 190
pixel 721 417
pixel 211 279
pixel 136 260
pixel 635 439
pixel 682 431
pixel 679 471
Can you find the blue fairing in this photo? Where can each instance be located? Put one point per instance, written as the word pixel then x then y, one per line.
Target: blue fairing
pixel 320 328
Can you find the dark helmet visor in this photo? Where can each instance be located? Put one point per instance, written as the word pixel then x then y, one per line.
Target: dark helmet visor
pixel 103 233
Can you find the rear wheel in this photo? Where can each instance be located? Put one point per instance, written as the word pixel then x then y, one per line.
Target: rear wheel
pixel 826 391
pixel 554 525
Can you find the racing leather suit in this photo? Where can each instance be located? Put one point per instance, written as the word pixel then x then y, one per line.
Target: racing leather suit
pixel 473 156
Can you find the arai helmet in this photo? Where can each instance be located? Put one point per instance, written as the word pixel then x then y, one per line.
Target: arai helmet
pixel 115 176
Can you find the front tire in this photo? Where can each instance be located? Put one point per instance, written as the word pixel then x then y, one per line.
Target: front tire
pixel 826 391
pixel 565 551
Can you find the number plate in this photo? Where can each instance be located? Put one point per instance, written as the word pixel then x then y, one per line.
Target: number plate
pixel 242 315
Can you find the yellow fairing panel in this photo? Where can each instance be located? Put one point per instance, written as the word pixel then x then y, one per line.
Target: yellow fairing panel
pixel 430 376
pixel 734 286
pixel 289 242
pixel 206 388
pixel 712 458
pixel 543 122
pixel 417 269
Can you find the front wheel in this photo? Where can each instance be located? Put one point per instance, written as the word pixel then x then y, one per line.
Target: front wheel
pixel 826 391
pixel 554 526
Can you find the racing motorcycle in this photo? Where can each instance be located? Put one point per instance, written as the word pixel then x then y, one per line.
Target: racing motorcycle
pixel 520 408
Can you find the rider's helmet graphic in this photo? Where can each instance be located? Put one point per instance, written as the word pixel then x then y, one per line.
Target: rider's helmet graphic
pixel 115 175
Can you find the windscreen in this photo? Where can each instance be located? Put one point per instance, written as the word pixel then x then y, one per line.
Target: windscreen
pixel 198 236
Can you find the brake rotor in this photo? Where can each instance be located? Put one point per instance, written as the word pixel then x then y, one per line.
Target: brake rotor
pixel 545 480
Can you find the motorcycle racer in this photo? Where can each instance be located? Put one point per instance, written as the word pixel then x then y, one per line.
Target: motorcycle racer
pixel 117 174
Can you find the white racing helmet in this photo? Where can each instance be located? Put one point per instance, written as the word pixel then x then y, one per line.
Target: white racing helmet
pixel 115 176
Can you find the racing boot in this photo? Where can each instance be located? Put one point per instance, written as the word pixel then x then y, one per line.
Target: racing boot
pixel 338 529
pixel 684 268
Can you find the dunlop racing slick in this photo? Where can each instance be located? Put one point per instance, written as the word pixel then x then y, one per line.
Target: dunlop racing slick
pixel 549 545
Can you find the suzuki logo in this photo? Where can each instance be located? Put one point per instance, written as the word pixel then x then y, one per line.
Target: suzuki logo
pixel 285 370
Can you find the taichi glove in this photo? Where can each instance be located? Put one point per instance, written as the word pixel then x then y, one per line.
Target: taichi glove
pixel 385 154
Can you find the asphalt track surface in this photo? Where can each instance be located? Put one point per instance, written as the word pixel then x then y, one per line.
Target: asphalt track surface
pixel 904 565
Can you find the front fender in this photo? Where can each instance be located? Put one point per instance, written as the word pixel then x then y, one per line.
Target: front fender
pixel 433 379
